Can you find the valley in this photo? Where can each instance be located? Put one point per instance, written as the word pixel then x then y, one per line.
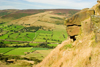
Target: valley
pixel 31 34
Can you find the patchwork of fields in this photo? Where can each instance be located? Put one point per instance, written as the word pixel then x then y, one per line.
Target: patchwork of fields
pixel 19 51
pixel 31 35
pixel 18 35
pixel 35 55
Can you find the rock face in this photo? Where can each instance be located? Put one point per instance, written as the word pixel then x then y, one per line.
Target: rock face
pixel 98 1
pixel 80 16
pixel 73 24
pixel 95 26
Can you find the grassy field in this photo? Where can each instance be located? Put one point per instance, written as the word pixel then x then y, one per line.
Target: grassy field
pixel 20 33
pixel 39 49
pixel 19 51
pixel 40 54
pixel 5 50
pixel 52 45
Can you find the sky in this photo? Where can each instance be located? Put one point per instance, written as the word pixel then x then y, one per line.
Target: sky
pixel 46 4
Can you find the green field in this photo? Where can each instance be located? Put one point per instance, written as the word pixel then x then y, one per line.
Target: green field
pixel 52 45
pixel 20 33
pixel 33 44
pixel 4 50
pixel 39 49
pixel 39 54
pixel 20 51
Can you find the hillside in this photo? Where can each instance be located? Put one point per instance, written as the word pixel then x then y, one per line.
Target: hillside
pixel 81 49
pixel 28 36
pixel 16 14
pixel 39 25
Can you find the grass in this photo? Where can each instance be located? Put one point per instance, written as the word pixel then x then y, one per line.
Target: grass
pixel 44 36
pixel 7 42
pixel 21 33
pixel 39 54
pixel 14 35
pixel 4 50
pixel 31 35
pixel 61 13
pixel 39 48
pixel 23 38
pixel 4 36
pixel 33 44
pixel 39 40
pixel 56 18
pixel 72 13
pixel 52 45
pixel 60 35
pixel 19 51
pixel 51 41
pixel 56 36
pixel 43 31
pixel 4 13
pixel 16 15
pixel 66 46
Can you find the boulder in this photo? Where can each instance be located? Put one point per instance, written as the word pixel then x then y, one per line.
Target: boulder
pixel 74 23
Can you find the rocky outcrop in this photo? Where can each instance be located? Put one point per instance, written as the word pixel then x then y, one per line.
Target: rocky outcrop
pixel 73 30
pixel 98 1
pixel 95 26
pixel 80 16
pixel 81 21
pixel 73 24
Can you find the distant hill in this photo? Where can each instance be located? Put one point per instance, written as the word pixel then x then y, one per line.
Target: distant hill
pixel 16 14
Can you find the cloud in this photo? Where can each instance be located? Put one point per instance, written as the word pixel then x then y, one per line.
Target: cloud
pixel 46 4
pixel 68 3
pixel 7 7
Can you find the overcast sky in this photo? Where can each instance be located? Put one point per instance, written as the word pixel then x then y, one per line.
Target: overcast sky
pixel 46 4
